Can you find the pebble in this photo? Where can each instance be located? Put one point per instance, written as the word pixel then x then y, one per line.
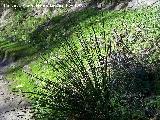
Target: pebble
pixel 12 106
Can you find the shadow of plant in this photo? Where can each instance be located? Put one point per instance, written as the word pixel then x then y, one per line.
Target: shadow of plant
pixel 48 35
pixel 53 32
pixel 93 84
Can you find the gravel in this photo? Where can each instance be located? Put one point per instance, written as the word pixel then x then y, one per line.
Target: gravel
pixel 13 106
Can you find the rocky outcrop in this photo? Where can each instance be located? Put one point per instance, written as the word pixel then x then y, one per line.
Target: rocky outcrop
pixel 142 3
pixel 132 4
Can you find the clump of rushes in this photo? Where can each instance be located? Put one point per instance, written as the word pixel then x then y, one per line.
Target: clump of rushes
pixel 96 79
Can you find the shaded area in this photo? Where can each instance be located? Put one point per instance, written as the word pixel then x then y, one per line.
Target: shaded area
pixel 47 36
pixel 13 51
pixel 59 29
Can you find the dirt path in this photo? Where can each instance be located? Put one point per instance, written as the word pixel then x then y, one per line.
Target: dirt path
pixel 12 106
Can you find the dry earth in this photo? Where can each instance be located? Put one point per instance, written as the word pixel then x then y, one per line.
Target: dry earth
pixel 12 106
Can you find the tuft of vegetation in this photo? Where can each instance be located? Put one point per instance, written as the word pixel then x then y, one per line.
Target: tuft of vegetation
pixel 91 66
pixel 97 77
pixel 95 81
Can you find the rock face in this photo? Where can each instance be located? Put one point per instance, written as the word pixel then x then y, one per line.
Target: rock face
pixel 121 6
pixel 138 3
pixel 132 4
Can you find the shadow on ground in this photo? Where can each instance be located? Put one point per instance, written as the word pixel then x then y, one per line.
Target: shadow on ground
pixel 48 35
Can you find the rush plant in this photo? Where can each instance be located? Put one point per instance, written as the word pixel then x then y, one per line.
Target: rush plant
pixel 96 79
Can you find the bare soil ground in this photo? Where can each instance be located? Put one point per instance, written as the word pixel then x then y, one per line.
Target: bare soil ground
pixel 12 106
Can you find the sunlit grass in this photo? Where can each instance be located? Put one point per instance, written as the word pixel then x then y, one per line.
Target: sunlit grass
pixel 132 21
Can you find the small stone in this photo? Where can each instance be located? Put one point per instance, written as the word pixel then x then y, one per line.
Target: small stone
pixel 120 6
pixel 24 111
pixel 1 93
pixel 6 111
pixel 1 77
pixel 13 109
